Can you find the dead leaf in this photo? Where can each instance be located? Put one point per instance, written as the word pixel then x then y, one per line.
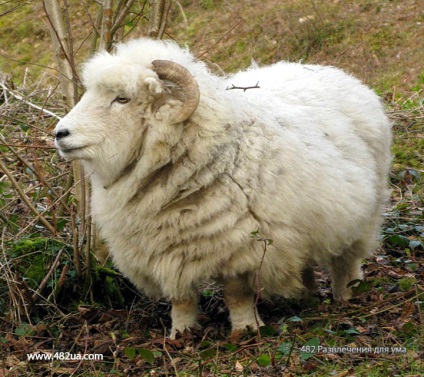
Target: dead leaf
pixel 412 355
pixel 407 310
pixel 102 346
pixel 310 365
pixel 361 329
pixel 331 356
pixel 345 373
pixel 238 367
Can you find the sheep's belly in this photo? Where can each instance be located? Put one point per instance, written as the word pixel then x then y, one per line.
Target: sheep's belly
pixel 173 272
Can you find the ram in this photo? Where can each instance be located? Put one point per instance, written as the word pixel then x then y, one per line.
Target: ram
pixel 185 165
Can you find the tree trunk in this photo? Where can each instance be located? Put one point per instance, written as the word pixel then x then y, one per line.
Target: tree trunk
pixel 61 40
pixel 157 17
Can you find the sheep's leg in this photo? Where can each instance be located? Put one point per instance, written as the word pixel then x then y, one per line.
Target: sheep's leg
pixel 308 280
pixel 240 300
pixel 184 314
pixel 344 269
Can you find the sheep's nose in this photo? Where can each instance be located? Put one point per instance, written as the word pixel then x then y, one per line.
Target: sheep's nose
pixel 61 134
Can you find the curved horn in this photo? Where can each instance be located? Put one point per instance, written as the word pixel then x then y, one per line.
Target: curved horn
pixel 176 73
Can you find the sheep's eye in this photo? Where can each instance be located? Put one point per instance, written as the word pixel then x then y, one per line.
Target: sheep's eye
pixel 122 100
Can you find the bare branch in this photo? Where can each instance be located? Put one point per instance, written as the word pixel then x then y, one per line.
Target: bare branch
pixel 164 19
pixel 22 195
pixel 14 8
pixel 34 64
pixel 105 33
pixel 219 40
pixel 121 16
pixel 244 88
pixel 21 98
pixel 158 15
pixel 60 39
pixel 95 24
pixel 37 294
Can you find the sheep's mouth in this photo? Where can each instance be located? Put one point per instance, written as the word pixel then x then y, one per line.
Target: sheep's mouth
pixel 66 149
pixel 73 153
pixel 71 150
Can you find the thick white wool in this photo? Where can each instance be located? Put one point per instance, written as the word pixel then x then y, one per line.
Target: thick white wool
pixel 303 159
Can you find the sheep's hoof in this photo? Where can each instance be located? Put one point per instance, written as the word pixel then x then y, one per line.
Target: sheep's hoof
pixel 177 332
pixel 247 328
pixel 239 333
pixel 342 295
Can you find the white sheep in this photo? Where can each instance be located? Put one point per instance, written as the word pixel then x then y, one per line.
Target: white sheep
pixel 184 170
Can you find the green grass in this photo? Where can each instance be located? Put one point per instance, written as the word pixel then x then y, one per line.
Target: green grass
pixel 23 42
pixel 408 144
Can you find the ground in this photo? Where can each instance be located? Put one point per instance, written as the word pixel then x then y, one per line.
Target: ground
pixel 59 305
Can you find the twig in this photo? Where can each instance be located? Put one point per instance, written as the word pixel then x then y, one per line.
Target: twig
pixel 219 40
pixel 258 291
pixel 38 173
pixel 83 212
pixel 66 192
pixel 26 146
pixel 95 24
pixel 266 242
pixel 25 199
pixel 29 125
pixel 420 315
pixel 35 65
pixel 182 13
pixel 118 9
pixel 156 17
pixel 60 282
pixel 14 8
pixel 291 351
pixel 16 293
pixel 88 260
pixel 27 191
pixel 244 88
pixel 140 15
pixel 121 17
pixel 170 357
pixel 21 98
pixel 37 293
pixel 165 18
pixel 75 243
pixel 391 306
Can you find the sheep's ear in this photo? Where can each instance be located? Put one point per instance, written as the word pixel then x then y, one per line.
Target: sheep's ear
pixel 154 86
pixel 162 96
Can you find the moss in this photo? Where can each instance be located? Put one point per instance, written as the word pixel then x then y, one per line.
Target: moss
pixel 107 287
pixel 405 284
pixel 32 257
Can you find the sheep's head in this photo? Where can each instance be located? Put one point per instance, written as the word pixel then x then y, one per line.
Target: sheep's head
pixel 122 105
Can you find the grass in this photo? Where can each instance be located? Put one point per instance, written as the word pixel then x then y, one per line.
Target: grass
pixel 21 42
pixel 101 312
pixel 377 41
pixel 408 146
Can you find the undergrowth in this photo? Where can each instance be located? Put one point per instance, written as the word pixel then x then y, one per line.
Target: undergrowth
pixel 53 302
